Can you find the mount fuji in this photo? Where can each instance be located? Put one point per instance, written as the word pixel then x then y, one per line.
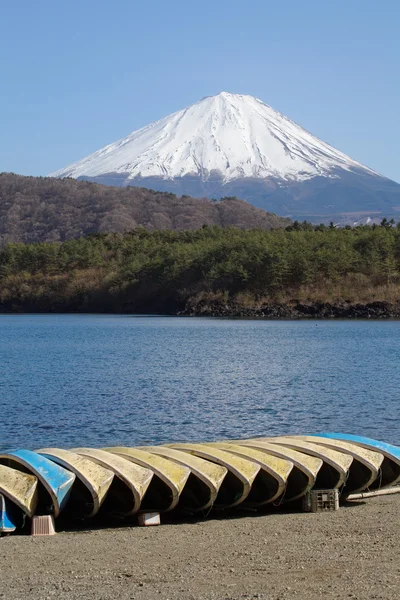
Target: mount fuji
pixel 234 144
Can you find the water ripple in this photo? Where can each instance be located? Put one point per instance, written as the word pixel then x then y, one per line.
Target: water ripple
pixel 107 380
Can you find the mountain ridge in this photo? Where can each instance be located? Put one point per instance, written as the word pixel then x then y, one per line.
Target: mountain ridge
pixel 234 144
pixel 40 209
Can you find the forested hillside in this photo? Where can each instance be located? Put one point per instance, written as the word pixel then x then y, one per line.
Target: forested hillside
pixel 208 271
pixel 41 209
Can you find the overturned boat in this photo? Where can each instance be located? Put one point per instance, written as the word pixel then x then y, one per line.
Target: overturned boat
pixel 129 485
pixel 21 489
pixel 192 477
pixel 365 468
pixel 204 482
pixel 390 468
pixel 274 473
pixel 305 468
pixel 90 486
pixel 241 476
pixel 337 463
pixel 168 481
pixel 55 482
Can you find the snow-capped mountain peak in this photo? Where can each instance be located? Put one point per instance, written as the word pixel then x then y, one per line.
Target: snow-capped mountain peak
pixel 227 136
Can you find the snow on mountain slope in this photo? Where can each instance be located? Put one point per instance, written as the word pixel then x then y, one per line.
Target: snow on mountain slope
pixel 231 136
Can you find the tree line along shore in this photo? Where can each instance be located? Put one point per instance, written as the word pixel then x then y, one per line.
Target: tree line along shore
pixel 298 271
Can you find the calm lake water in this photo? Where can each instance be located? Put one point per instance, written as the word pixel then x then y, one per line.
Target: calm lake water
pixel 111 380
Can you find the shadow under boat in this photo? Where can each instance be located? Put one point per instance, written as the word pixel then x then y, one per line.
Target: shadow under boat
pixel 272 481
pixel 337 464
pixel 91 484
pixel 242 473
pixel 168 481
pixel 365 468
pixel 54 482
pixel 390 468
pixel 129 486
pixel 204 482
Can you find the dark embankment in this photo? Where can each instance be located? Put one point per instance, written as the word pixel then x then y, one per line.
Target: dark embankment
pixel 44 209
pixel 300 272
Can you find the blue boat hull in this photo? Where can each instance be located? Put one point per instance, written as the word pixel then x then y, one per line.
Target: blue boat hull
pixel 56 481
pixel 10 516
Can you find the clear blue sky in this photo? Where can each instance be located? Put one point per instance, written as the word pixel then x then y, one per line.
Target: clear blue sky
pixel 78 74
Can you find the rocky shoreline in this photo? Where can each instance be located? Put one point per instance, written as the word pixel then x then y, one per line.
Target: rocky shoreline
pixel 206 307
pixel 295 310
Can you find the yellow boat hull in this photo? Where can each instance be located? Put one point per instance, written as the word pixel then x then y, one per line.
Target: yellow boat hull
pixel 305 468
pixel 275 470
pixel 205 480
pixel 239 479
pixel 369 462
pixel 164 490
pixel 129 485
pixel 338 462
pixel 91 484
pixel 20 488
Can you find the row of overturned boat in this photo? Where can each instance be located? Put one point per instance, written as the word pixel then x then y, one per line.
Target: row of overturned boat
pixel 188 478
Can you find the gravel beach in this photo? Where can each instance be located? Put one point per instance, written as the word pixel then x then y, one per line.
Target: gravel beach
pixel 353 553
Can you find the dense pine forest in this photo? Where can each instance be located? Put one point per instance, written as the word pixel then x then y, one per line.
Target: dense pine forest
pixel 303 270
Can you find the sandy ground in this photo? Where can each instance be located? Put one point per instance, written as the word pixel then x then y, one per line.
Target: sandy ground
pixel 353 553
